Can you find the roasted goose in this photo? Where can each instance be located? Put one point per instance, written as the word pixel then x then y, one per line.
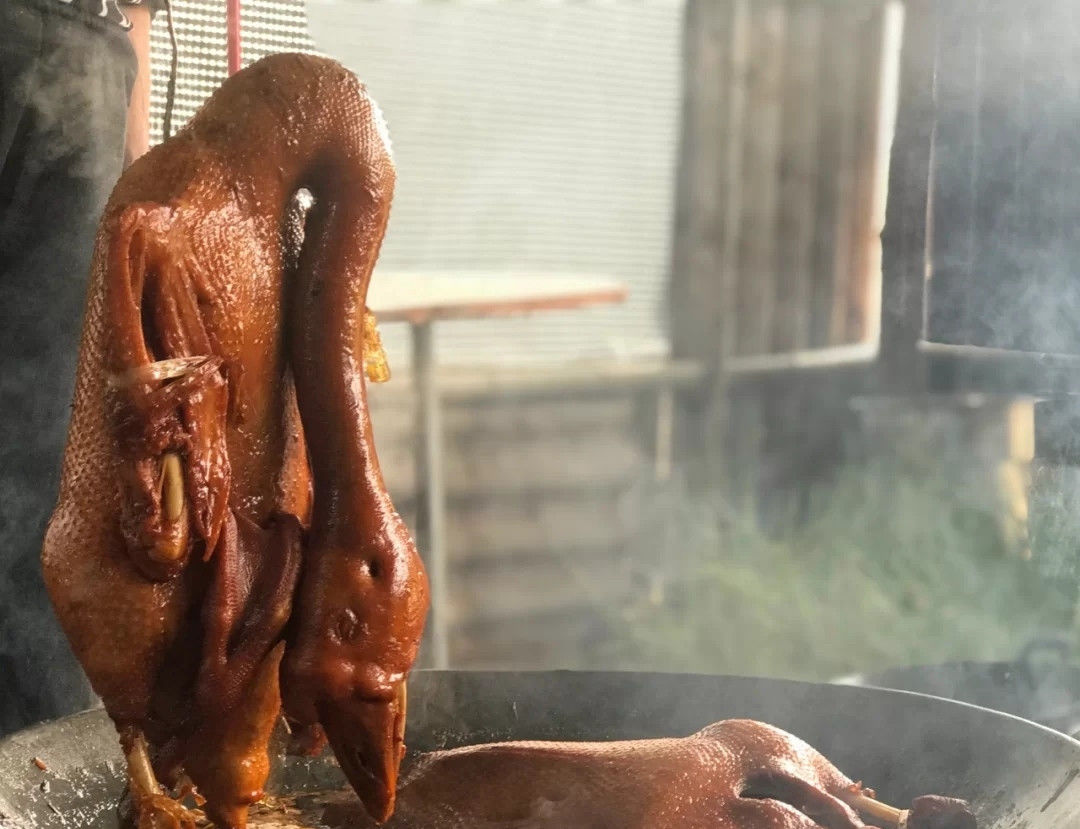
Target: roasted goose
pixel 737 774
pixel 223 540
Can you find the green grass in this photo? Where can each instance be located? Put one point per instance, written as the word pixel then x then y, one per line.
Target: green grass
pixel 895 564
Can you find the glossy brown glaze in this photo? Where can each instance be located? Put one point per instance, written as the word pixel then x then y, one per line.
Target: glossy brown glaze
pixel 736 774
pixel 220 477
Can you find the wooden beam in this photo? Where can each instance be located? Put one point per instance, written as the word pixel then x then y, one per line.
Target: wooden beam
pixel 695 284
pixel 876 50
pixel 799 171
pixel 707 186
pixel 759 169
pixel 835 183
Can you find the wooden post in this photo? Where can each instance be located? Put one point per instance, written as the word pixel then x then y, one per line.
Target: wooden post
pixel 759 167
pixel 703 192
pixel 799 171
pixel 831 264
pixel 881 46
pixel 701 186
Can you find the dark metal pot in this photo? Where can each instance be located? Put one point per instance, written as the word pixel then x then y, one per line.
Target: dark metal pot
pixel 1041 684
pixel 1018 775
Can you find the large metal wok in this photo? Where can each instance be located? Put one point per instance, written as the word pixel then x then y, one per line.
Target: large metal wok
pixel 1017 774
pixel 1037 689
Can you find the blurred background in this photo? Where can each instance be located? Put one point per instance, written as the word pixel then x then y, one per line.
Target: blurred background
pixel 828 433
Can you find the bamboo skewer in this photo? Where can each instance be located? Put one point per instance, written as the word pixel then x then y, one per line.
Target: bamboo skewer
pixel 931 810
pixel 862 800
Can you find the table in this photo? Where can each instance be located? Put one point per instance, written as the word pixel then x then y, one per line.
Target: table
pixel 421 299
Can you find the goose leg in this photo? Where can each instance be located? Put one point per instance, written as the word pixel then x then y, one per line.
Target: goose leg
pixel 151 807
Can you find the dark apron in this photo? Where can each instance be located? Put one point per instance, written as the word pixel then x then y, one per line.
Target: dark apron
pixel 65 79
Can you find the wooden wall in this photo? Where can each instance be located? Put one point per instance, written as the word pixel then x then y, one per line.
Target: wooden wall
pixel 790 283
pixel 782 175
pixel 540 510
pixel 776 271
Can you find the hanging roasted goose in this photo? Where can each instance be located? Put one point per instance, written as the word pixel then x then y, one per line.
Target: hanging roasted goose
pixel 223 540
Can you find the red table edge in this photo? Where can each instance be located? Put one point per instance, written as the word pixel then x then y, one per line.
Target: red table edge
pixel 505 308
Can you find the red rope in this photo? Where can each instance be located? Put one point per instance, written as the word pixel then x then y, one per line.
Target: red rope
pixel 232 24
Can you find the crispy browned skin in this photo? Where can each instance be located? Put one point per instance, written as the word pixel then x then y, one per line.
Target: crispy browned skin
pixel 190 525
pixel 736 774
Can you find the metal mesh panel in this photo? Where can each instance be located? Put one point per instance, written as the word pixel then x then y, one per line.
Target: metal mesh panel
pixel 529 137
pixel 268 26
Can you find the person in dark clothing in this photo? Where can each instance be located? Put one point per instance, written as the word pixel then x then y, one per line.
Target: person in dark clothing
pixel 74 103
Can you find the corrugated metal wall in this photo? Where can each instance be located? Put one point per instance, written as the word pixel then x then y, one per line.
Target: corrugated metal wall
pixel 269 26
pixel 534 136
pixel 529 136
